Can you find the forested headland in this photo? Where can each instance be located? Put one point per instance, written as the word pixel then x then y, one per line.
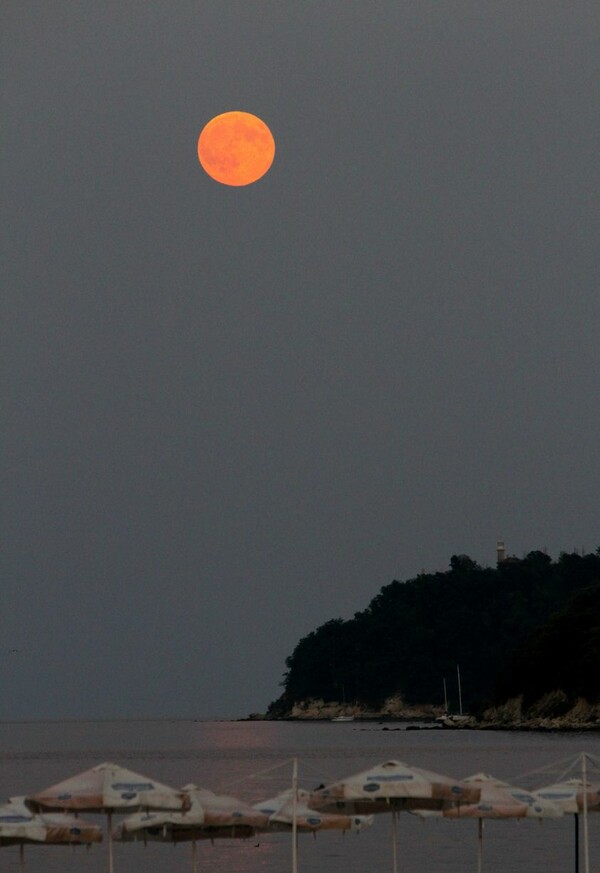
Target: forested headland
pixel 528 628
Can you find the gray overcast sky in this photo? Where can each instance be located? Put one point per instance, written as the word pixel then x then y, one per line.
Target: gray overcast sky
pixel 231 414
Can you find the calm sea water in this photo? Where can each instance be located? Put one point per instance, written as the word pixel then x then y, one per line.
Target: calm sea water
pixel 253 760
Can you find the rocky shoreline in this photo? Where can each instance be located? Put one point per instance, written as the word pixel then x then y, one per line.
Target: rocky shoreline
pixel 551 713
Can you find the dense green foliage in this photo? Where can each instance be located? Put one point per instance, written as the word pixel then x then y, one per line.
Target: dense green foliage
pixel 563 654
pixel 512 629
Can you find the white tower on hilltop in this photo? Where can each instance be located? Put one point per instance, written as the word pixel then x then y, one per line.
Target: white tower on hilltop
pixel 500 552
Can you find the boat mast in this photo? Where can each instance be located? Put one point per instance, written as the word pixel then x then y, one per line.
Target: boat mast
pixel 459 690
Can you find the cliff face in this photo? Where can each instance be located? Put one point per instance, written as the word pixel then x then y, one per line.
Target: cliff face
pixel 393 708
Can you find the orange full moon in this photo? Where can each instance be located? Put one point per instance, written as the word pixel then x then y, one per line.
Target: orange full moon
pixel 236 148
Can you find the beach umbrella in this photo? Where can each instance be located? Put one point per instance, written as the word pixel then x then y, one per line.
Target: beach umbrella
pixel 108 788
pixel 575 792
pixel 498 800
pixel 19 825
pixel 392 787
pixel 576 797
pixel 208 816
pixel 289 812
pixel 224 811
pixel 281 811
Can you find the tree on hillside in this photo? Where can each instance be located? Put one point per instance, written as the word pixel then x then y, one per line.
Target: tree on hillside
pixel 562 655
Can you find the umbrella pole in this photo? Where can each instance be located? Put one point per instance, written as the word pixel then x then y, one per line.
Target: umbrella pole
pixel 576 816
pixel 480 845
pixel 194 857
pixel 22 858
pixel 394 842
pixel 111 864
pixel 295 817
pixel 586 845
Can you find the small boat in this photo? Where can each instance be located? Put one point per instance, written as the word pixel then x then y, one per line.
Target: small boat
pixel 343 718
pixel 453 721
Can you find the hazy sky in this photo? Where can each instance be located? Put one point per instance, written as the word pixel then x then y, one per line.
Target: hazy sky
pixel 231 414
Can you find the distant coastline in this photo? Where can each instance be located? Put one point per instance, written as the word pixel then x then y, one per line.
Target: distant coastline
pixel 583 716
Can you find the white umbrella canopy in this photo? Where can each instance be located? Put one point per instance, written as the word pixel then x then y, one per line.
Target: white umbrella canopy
pixel 224 811
pixel 569 795
pixel 159 825
pixel 393 787
pixel 108 788
pixel 207 815
pixel 498 799
pixel 281 812
pixel 19 825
